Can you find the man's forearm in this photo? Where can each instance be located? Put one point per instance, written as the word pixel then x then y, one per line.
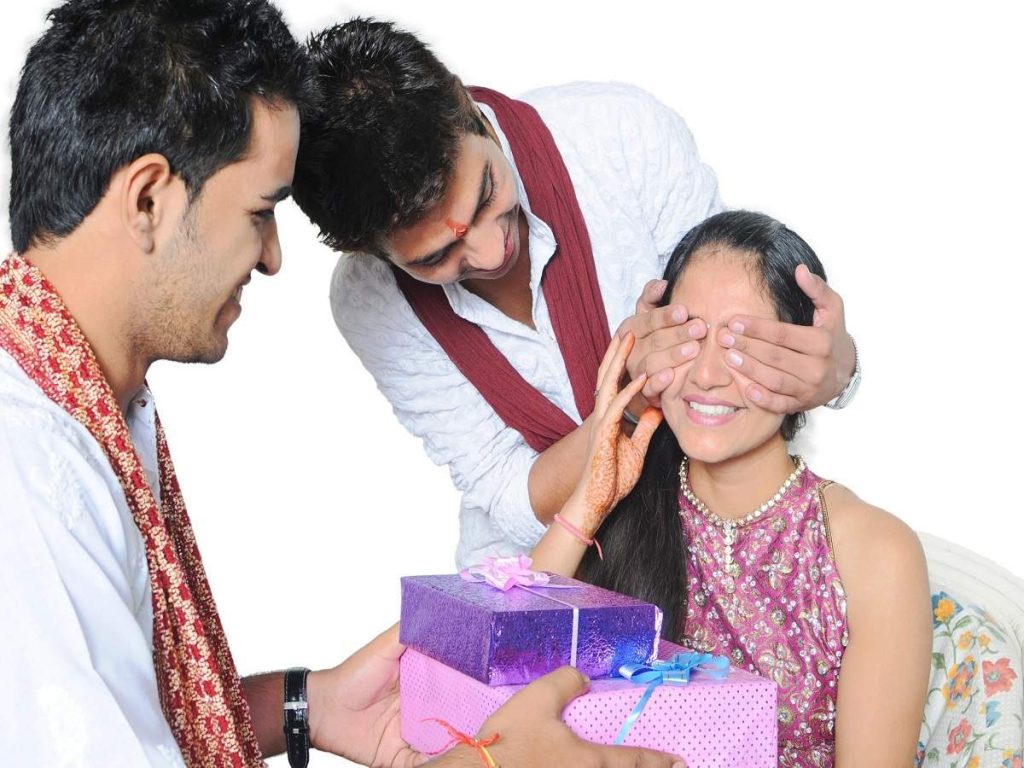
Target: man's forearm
pixel 265 695
pixel 555 473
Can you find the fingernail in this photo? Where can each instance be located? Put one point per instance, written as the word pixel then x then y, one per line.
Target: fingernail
pixel 679 315
pixel 665 377
pixel 727 340
pixel 734 358
pixel 688 350
pixel 755 395
pixel 695 331
pixel 736 327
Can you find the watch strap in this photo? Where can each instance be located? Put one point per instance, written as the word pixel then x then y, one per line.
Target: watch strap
pixel 296 717
pixel 844 398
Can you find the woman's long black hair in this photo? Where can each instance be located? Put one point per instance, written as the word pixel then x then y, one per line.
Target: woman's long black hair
pixel 644 547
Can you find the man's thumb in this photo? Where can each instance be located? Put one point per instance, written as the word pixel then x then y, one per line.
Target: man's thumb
pixel 553 692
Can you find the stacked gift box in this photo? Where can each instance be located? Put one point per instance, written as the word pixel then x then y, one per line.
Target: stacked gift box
pixel 477 638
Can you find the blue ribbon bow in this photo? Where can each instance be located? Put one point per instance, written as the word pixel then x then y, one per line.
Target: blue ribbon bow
pixel 674 671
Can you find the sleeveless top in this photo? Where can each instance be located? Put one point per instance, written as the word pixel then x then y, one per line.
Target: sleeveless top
pixel 783 617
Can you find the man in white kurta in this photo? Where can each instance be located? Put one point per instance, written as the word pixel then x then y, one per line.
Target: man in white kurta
pixel 640 185
pixel 75 600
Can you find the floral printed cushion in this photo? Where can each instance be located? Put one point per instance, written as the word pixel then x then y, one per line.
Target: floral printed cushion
pixel 976 580
pixel 974 716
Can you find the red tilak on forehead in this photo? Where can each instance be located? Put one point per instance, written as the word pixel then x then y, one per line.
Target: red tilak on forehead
pixel 459 230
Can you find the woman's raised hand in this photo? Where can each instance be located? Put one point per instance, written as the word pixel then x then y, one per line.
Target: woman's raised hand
pixel 614 458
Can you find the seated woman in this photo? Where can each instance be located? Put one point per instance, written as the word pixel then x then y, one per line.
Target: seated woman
pixel 748 553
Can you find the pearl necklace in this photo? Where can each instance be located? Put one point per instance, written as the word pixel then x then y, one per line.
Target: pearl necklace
pixel 730 527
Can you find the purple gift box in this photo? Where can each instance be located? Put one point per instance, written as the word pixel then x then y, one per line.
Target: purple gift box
pixel 515 636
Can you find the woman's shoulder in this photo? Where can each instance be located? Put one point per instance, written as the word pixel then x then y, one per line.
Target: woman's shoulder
pixel 873 548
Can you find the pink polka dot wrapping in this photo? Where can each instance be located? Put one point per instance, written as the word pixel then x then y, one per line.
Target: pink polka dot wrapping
pixel 727 723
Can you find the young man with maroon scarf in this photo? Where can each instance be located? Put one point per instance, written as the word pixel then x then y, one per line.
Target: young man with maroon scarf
pixel 150 142
pixel 491 246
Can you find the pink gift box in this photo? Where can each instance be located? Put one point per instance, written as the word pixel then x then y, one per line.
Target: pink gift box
pixel 710 723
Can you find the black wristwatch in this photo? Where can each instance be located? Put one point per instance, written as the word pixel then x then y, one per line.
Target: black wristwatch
pixel 296 717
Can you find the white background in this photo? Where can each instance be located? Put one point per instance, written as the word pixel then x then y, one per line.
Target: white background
pixel 890 136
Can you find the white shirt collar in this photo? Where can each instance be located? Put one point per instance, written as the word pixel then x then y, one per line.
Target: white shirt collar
pixel 141 420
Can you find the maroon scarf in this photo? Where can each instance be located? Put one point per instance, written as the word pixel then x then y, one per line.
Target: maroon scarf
pixel 570 288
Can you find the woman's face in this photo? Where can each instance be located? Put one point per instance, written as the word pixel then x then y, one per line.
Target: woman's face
pixel 705 405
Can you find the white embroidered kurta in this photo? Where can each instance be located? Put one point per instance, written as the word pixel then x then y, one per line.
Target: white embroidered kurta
pixel 76 615
pixel 641 187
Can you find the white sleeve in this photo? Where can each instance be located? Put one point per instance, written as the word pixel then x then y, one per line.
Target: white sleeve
pixel 627 137
pixel 489 462
pixel 676 189
pixel 79 684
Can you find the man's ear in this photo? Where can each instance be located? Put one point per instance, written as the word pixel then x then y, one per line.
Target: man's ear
pixel 150 196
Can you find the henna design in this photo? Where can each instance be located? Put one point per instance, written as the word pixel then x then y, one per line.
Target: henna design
pixel 616 459
pixel 615 467
pixel 603 483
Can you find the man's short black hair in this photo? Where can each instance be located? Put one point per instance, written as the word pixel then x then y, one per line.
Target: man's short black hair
pixel 379 146
pixel 112 80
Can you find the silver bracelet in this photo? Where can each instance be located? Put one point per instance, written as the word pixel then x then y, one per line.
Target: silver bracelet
pixel 844 398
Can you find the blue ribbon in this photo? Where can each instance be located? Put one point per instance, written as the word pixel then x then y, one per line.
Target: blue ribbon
pixel 674 671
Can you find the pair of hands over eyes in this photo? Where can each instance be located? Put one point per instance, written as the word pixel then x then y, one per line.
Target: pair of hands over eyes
pixel 791 368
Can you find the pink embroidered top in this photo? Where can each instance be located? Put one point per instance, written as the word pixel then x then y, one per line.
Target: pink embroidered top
pixel 783 616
